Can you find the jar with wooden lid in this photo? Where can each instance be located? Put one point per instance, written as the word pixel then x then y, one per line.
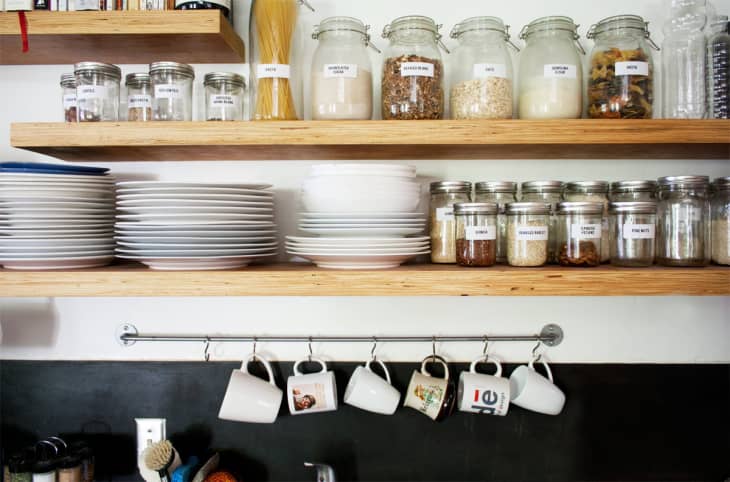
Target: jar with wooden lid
pixel 633 233
pixel 444 195
pixel 172 87
pixel 139 97
pixel 476 234
pixel 527 233
pixel 627 191
pixel 500 193
pixel 579 231
pixel 721 221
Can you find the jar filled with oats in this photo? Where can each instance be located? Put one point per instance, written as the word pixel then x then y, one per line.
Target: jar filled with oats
pixel 592 192
pixel 444 195
pixel 500 193
pixel 482 77
pixel 527 234
pixel 413 72
pixel 579 228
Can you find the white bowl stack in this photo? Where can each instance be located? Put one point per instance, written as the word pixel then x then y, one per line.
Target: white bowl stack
pixel 195 226
pixel 362 216
pixel 56 217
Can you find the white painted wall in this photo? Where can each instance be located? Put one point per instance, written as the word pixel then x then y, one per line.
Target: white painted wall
pixel 598 330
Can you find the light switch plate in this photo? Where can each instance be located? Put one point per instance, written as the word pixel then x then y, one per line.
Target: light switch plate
pixel 149 431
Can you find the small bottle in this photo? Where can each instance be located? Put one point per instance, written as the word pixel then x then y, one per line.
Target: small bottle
pixel 528 227
pixel 86 455
pixel 139 97
pixel 626 191
pixel 501 193
pixel 633 233
pixel 476 234
pixel 68 84
pixel 44 471
pixel 19 468
pixel 444 195
pixel 224 93
pixel 579 233
pixel 69 469
pixel 172 87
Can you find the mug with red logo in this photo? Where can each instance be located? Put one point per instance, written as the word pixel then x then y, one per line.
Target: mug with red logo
pixel 482 393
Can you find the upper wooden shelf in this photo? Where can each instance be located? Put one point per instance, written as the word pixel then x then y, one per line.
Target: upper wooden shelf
pixel 413 280
pixel 403 140
pixel 131 37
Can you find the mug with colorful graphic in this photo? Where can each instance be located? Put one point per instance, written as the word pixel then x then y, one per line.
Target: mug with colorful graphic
pixel 311 392
pixel 433 397
pixel 481 393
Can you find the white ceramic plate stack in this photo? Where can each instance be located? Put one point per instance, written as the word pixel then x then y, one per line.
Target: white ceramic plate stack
pixel 56 217
pixel 195 226
pixel 360 216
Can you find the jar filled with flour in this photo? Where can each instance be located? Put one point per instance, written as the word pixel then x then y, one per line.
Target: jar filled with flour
pixel 342 79
pixel 551 72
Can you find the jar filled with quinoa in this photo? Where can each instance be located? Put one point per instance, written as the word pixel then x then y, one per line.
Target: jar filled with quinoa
pixel 527 234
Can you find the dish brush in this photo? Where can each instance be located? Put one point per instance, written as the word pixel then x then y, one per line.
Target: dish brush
pixel 159 457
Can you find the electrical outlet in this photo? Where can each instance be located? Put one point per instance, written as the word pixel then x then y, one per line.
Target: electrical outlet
pixel 149 431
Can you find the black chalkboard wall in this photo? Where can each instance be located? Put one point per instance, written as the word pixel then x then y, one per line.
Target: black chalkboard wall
pixel 621 422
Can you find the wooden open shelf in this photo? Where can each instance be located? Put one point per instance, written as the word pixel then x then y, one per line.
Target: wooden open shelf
pixel 413 280
pixel 403 140
pixel 128 37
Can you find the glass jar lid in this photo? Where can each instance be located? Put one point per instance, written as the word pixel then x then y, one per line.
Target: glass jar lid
pixel 234 79
pixel 614 25
pixel 496 186
pixel 344 24
pixel 553 23
pixel 415 22
pixel 683 181
pixel 137 79
pixel 580 208
pixel 98 68
pixel 68 80
pixel 475 208
pixel 632 186
pixel 542 186
pixel 172 67
pixel 587 186
pixel 722 183
pixel 482 24
pixel 528 208
pixel 633 207
pixel 450 186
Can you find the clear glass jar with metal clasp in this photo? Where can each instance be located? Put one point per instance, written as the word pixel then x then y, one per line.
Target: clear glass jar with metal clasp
pixel 528 227
pixel 721 221
pixel 592 191
pixel 501 193
pixel 172 85
pixel 626 191
pixel 139 97
pixel 633 233
pixel 68 86
pixel 97 91
pixel 476 234
pixel 579 231
pixel 444 195
pixel 224 96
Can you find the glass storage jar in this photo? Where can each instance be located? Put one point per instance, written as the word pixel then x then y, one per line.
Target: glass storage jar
pixel 224 93
pixel 97 91
pixel 19 469
pixel 621 79
pixel 444 195
pixel 592 191
pixel 342 75
pixel 482 75
pixel 579 228
pixel 633 233
pixel 721 221
pixel 625 191
pixel 718 63
pixel 501 193
pixel 683 227
pixel 139 97
pixel 476 234
pixel 549 192
pixel 413 72
pixel 223 5
pixel 551 73
pixel 527 233
pixel 68 97
pixel 172 86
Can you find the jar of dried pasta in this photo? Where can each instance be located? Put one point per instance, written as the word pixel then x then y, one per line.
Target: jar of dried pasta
pixel 500 193
pixel 592 191
pixel 579 228
pixel 444 195
pixel 527 233
pixel 627 191
pixel 633 233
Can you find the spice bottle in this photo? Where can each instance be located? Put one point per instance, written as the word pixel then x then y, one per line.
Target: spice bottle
pixel 97 91
pixel 579 227
pixel 621 83
pixel 527 233
pixel 413 72
pixel 342 75
pixel 718 63
pixel 476 234
pixel 721 221
pixel 444 195
pixel 633 233
pixel 549 192
pixel 86 455
pixel 44 471
pixel 19 468
pixel 139 97
pixel 172 87
pixel 551 73
pixel 592 191
pixel 69 469
pixel 482 76
pixel 683 228
pixel 501 193
pixel 625 191
pixel 224 93
pixel 68 86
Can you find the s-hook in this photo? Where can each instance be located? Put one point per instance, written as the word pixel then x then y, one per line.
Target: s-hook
pixel 253 355
pixel 535 355
pixel 374 357
pixel 309 344
pixel 206 353
pixel 485 356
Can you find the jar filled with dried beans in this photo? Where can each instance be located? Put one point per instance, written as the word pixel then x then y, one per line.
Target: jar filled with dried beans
pixel 444 195
pixel 501 193
pixel 527 234
pixel 633 233
pixel 476 234
pixel 413 71
pixel 579 231
pixel 139 97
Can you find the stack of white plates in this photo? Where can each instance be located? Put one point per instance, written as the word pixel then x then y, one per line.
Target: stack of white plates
pixel 362 214
pixel 195 226
pixel 55 216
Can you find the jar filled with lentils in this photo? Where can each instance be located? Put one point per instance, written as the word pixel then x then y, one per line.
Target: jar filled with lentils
pixel 500 193
pixel 633 233
pixel 476 234
pixel 626 191
pixel 592 191
pixel 444 195
pixel 549 192
pixel 721 221
pixel 579 229
pixel 527 234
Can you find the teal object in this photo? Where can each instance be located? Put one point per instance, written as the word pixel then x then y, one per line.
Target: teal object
pixel 185 472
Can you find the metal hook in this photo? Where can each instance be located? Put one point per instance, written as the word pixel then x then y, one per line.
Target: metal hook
pixel 373 357
pixel 535 355
pixel 433 349
pixel 309 344
pixel 206 353
pixel 253 356
pixel 486 347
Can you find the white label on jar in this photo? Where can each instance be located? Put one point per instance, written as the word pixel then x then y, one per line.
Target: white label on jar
pixel 560 71
pixel 87 4
pixel 585 231
pixel 139 101
pixel 445 214
pixel 84 92
pixel 483 71
pixel 168 91
pixel 222 100
pixel 69 100
pixel 346 71
pixel 532 233
pixel 416 69
pixel 632 68
pixel 480 233
pixel 639 231
pixel 273 71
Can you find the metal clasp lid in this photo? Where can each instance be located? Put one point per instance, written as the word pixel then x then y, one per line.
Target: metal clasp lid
pixel 387 32
pixel 456 32
pixel 574 31
pixel 306 4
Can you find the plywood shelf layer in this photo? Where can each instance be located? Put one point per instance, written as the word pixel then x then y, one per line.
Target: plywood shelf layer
pixel 414 280
pixel 403 140
pixel 131 37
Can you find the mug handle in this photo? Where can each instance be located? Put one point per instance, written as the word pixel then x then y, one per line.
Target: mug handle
pixel 487 359
pixel 385 369
pixel 316 360
pixel 531 366
pixel 435 359
pixel 264 362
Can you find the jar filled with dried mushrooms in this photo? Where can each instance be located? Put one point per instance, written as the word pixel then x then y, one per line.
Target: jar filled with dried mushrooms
pixel 592 192
pixel 413 72
pixel 580 226
pixel 444 195
pixel 621 80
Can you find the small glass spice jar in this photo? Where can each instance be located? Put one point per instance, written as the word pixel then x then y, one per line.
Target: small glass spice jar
pixel 44 471
pixel 139 97
pixel 476 234
pixel 19 469
pixel 172 87
pixel 527 233
pixel 224 94
pixel 69 469
pixel 549 192
pixel 444 195
pixel 97 91
pixel 501 193
pixel 579 228
pixel 626 191
pixel 68 85
pixel 721 221
pixel 633 233
pixel 592 191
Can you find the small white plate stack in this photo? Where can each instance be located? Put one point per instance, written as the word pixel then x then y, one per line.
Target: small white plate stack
pixel 361 215
pixel 56 217
pixel 195 226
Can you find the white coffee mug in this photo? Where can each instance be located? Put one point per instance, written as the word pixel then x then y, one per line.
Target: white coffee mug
pixel 368 391
pixel 311 392
pixel 249 398
pixel 534 392
pixel 481 393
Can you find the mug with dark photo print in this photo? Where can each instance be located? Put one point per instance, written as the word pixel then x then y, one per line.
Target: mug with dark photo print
pixel 311 392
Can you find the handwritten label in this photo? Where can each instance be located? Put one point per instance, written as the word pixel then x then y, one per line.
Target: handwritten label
pixel 480 233
pixel 345 71
pixel 416 69
pixel 483 71
pixel 88 92
pixel 445 214
pixel 69 100
pixel 632 68
pixel 139 101
pixel 531 233
pixel 168 91
pixel 560 71
pixel 639 231
pixel 222 100
pixel 585 231
pixel 273 71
